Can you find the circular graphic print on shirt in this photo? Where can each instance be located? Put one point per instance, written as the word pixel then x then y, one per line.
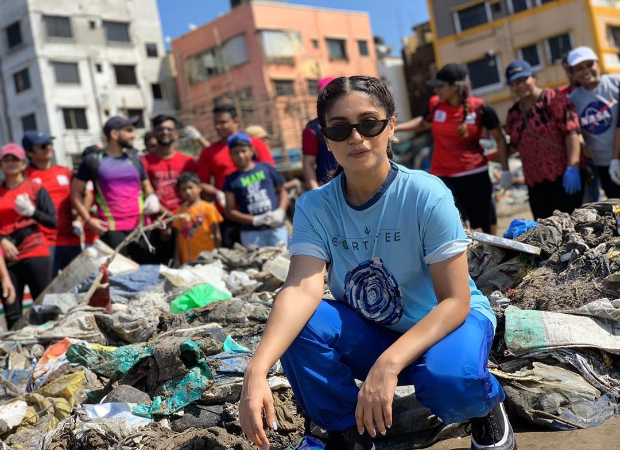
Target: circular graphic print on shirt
pixel 372 291
pixel 597 117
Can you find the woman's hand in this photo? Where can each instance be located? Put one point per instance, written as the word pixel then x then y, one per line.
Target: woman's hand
pixel 374 402
pixel 8 291
pixel 10 251
pixel 256 397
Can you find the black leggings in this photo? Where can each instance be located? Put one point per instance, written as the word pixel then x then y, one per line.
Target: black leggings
pixel 137 251
pixel 547 196
pixel 34 272
pixel 472 196
pixel 612 190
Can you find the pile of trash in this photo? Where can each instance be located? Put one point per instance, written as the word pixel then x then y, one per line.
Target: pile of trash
pixel 555 290
pixel 162 365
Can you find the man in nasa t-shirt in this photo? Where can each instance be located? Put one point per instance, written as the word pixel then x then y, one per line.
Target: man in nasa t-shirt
pixel 596 101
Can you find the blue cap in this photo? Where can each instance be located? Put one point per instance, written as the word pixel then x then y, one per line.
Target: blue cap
pixel 239 139
pixel 118 122
pixel 32 138
pixel 518 69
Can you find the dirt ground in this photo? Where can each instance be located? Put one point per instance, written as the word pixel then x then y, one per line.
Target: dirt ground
pixel 605 437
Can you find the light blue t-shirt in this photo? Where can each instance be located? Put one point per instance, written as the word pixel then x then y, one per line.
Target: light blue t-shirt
pixel 378 254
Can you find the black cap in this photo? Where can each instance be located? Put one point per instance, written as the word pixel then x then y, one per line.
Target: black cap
pixel 118 122
pixel 449 73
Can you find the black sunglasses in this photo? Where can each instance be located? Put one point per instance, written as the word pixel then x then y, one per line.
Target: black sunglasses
pixel 341 132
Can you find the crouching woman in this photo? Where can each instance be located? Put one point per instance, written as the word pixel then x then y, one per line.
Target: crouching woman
pixel 406 311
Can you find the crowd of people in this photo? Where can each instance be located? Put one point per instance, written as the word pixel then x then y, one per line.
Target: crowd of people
pixel 48 214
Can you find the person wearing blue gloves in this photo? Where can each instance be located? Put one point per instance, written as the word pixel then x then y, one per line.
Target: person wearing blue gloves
pixel 404 309
pixel 544 128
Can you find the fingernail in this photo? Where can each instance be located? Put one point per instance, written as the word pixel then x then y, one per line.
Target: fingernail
pixel 361 432
pixel 383 432
pixel 274 425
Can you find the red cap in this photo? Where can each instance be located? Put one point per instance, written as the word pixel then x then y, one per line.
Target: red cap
pixel 13 149
pixel 323 82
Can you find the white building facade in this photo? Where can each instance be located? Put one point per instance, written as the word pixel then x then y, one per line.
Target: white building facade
pixel 68 66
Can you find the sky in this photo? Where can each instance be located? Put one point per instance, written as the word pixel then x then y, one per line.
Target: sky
pixel 391 19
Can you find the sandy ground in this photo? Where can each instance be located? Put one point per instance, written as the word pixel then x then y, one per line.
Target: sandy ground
pixel 605 437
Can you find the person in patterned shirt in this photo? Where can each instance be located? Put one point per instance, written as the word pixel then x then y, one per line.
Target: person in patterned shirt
pixel 544 128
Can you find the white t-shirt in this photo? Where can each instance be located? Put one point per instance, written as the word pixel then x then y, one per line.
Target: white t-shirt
pixel 378 254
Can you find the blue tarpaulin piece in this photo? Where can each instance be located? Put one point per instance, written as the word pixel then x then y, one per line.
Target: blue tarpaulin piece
pixel 232 346
pixel 129 284
pixel 307 443
pixel 518 227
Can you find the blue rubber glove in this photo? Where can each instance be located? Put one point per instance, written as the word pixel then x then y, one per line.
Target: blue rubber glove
pixel 571 180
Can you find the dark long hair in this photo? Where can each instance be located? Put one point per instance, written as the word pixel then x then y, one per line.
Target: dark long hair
pixel 464 88
pixel 338 88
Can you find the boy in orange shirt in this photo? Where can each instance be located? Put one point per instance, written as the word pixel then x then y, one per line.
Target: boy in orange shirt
pixel 199 228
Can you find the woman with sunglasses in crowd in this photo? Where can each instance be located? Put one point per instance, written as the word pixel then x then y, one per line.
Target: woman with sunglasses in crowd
pixel 24 207
pixel 457 121
pixel 544 128
pixel 405 309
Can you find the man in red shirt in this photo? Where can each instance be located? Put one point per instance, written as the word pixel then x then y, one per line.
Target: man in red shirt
pixel 64 241
pixel 215 164
pixel 163 166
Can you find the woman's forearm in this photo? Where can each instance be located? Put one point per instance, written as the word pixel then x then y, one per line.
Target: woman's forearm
pixel 437 324
pixel 290 312
pixel 573 150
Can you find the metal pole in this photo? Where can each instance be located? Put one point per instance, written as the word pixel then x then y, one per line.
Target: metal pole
pixel 95 92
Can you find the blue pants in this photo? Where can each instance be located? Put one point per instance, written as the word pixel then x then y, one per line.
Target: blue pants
pixel 62 256
pixel 338 346
pixel 264 238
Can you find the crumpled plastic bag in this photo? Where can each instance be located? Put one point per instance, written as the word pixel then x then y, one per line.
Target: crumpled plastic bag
pixel 307 443
pixel 116 411
pixel 190 276
pixel 198 297
pixel 518 227
pixel 107 361
pixel 53 359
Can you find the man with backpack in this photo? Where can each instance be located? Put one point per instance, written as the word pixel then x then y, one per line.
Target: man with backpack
pixel 123 193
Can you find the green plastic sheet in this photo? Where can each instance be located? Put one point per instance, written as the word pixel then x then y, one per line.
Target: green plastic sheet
pixel 199 296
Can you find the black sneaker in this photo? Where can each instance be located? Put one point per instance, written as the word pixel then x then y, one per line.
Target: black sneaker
pixel 349 439
pixel 493 431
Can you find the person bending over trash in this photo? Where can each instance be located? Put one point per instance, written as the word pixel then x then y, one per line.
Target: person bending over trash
pixel 257 190
pixel 199 228
pixel 406 311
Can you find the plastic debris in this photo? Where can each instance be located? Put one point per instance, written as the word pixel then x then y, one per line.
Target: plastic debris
pixel 199 296
pixel 518 227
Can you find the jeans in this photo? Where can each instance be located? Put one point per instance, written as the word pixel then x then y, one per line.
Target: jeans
pixel 337 346
pixel 264 238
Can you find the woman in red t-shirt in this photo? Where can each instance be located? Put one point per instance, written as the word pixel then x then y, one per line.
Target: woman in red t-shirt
pixel 457 120
pixel 544 127
pixel 24 205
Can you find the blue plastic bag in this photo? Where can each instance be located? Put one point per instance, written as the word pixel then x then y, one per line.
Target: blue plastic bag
pixel 518 227
pixel 307 443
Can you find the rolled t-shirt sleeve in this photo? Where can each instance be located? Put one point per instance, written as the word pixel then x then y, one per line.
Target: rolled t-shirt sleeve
pixel 306 240
pixel 83 172
pixel 443 235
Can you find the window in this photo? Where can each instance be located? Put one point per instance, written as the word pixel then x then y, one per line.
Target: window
pixel 485 75
pixel 531 54
pixel 75 118
pixel 22 80
pixel 558 47
pixel 29 122
pixel 156 88
pixel 284 87
pixel 472 16
pixel 92 24
pixel 280 47
pixel 614 36
pixel 151 50
pixel 516 6
pixel 57 26
pixel 337 49
pixel 117 31
pixel 211 63
pixel 125 75
pixel 312 87
pixel 66 73
pixel 315 43
pixel 363 46
pixel 137 113
pixel 99 68
pixel 13 35
pixel 542 2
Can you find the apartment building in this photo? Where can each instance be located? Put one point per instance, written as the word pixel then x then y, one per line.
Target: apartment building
pixel 488 34
pixel 67 66
pixel 266 57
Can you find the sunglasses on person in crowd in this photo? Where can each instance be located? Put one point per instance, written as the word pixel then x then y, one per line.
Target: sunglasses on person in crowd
pixel 342 131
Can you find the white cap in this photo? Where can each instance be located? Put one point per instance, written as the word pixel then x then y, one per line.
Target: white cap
pixel 581 54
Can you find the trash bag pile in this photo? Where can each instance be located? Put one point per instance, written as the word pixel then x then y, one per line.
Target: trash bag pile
pixel 557 345
pixel 162 366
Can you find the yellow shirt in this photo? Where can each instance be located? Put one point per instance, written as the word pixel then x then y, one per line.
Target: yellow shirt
pixel 194 228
